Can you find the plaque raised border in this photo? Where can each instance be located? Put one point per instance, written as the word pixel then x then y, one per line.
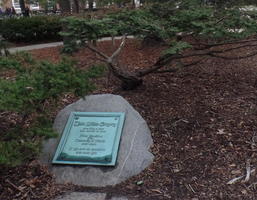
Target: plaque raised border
pixel 89 160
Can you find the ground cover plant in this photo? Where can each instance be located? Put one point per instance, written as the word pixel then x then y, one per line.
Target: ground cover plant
pixel 26 89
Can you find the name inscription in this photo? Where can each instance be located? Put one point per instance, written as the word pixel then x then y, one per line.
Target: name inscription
pixel 90 140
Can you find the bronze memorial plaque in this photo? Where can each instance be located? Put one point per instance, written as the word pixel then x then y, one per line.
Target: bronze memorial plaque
pixel 90 138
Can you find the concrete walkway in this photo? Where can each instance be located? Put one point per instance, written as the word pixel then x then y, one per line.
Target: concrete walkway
pixel 53 44
pixel 33 47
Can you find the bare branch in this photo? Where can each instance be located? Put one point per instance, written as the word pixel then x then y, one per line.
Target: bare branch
pixel 104 56
pixel 233 58
pixel 132 80
pixel 183 66
pixel 234 48
pixel 194 63
pixel 168 59
pixel 166 71
pixel 161 62
pixel 117 52
pixel 208 46
pixel 165 60
pixel 98 52
pixel 220 20
pixel 101 59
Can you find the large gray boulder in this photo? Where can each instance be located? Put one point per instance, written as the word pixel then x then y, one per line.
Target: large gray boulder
pixel 133 156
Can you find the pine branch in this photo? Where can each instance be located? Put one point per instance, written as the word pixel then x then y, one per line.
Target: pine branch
pixel 176 69
pixel 92 48
pixel 168 59
pixel 208 46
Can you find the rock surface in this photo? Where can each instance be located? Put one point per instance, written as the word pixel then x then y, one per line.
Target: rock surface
pixel 133 156
pixel 82 196
pixel 88 196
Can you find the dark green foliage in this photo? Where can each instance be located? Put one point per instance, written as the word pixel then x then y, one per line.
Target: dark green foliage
pixel 231 3
pixel 165 21
pixel 139 23
pixel 11 154
pixel 97 70
pixel 176 48
pixel 31 29
pixel 203 21
pixel 31 85
pixel 218 3
pixel 20 145
pixel 78 31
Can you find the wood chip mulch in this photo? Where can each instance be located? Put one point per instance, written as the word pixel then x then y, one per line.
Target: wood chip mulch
pixel 203 121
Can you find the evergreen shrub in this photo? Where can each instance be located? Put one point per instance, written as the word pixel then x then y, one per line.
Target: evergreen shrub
pixel 31 29
pixel 29 92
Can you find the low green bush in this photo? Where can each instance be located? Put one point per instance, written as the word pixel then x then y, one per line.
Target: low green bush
pixel 31 29
pixel 29 90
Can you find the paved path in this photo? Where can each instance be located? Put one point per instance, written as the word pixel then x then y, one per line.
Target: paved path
pixel 36 46
pixel 53 44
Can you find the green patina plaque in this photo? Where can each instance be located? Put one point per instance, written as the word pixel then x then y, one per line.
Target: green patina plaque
pixel 90 138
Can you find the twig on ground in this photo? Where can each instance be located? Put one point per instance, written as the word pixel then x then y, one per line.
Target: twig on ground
pixel 14 186
pixel 190 188
pixel 234 180
pixel 252 185
pixel 254 140
pixel 248 171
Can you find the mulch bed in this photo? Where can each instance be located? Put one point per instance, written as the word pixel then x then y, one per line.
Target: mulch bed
pixel 202 120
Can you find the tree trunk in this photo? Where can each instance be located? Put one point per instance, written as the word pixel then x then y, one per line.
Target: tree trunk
pixel 76 6
pixel 22 5
pixel 66 39
pixel 46 8
pixel 133 4
pixel 90 5
pixel 65 6
pixel 82 6
pixel 128 80
pixel 131 83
